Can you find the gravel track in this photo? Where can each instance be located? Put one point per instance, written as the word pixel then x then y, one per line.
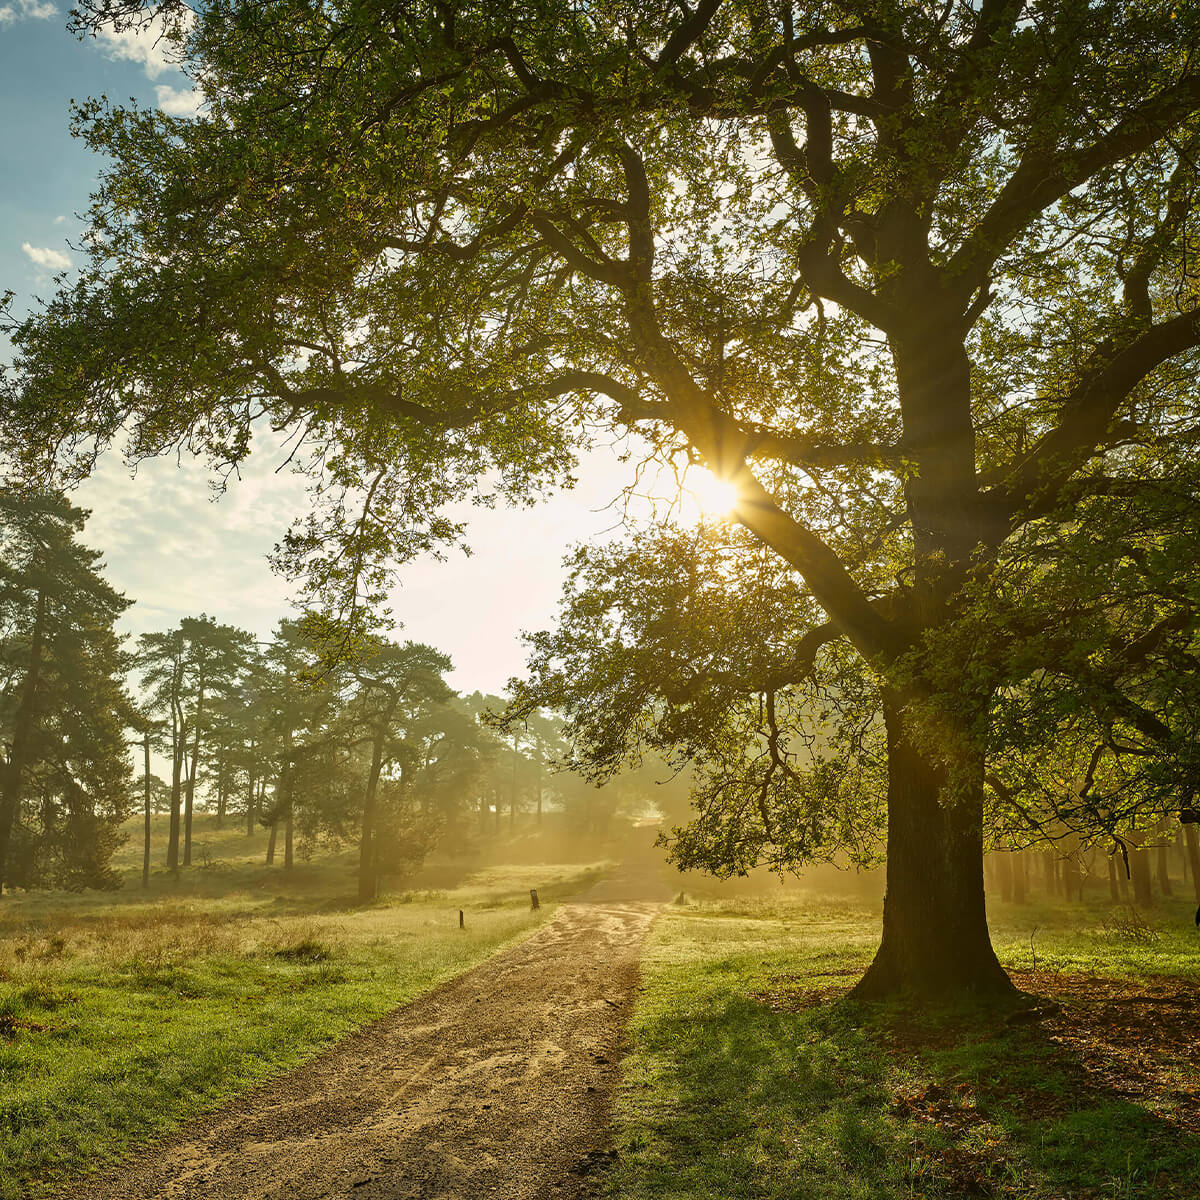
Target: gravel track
pixel 497 1083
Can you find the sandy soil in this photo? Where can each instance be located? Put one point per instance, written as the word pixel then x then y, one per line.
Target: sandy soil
pixel 498 1083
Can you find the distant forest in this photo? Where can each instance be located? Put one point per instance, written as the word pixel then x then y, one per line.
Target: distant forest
pixel 375 750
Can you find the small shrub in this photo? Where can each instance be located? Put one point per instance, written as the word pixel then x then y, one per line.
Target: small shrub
pixel 306 949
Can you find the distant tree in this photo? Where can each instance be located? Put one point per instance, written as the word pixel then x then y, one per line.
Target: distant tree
pixel 215 657
pixel 64 768
pixel 161 659
pixel 300 708
pixel 915 279
pixel 395 688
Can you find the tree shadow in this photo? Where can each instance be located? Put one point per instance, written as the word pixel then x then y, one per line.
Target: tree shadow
pixel 798 1094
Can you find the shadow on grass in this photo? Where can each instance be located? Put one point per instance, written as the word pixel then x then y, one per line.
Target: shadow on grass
pixel 799 1096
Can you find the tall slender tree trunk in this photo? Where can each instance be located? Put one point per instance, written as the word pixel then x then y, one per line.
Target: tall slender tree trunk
pixel 24 727
pixel 512 804
pixel 368 883
pixel 1163 871
pixel 1114 885
pixel 1003 872
pixel 271 842
pixel 177 737
pixel 1072 877
pixel 146 846
pixel 191 779
pixel 251 807
pixel 1139 867
pixel 1019 869
pixel 288 858
pixel 1192 841
pixel 935 934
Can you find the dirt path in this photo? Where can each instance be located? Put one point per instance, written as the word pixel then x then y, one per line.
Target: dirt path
pixel 498 1083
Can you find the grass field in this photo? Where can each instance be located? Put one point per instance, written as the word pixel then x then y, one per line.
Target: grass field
pixel 751 1076
pixel 123 1013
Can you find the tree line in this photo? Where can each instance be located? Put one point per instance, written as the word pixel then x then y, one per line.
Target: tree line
pixel 377 751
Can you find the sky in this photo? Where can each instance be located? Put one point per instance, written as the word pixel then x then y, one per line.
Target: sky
pixel 168 544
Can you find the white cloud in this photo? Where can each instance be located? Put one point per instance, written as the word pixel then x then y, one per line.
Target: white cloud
pixel 179 102
pixel 148 45
pixel 33 9
pixel 60 220
pixel 44 256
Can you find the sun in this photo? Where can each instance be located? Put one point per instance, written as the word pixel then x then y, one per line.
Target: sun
pixel 712 496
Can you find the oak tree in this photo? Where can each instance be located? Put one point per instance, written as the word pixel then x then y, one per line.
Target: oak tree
pixel 912 276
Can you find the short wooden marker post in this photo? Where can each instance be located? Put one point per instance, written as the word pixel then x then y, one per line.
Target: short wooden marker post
pixel 533 900
pixel 461 923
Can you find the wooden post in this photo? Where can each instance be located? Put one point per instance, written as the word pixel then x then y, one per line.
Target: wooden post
pixel 533 900
pixel 461 923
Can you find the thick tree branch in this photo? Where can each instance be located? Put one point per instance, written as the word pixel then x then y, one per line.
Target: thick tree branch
pixel 1041 179
pixel 1086 417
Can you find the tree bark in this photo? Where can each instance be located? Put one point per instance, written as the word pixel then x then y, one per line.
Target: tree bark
pixel 24 726
pixel 935 935
pixel 271 842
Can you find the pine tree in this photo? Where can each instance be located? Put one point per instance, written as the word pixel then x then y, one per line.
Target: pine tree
pixel 65 783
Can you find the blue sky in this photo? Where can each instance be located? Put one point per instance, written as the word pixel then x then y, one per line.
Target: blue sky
pixel 168 544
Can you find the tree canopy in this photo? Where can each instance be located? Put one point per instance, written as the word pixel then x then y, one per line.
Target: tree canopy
pixel 917 278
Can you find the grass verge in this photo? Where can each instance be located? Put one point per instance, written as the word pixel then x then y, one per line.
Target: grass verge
pixel 122 1015
pixel 750 1075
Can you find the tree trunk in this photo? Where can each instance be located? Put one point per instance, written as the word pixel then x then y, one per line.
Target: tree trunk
pixel 935 935
pixel 1192 839
pixel 1072 877
pixel 1050 872
pixel 288 859
pixel 368 883
pixel 177 736
pixel 1164 873
pixel 1003 870
pixel 512 804
pixel 271 842
pixel 1019 869
pixel 250 793
pixel 24 723
pixel 1114 885
pixel 191 780
pixel 1139 868
pixel 146 847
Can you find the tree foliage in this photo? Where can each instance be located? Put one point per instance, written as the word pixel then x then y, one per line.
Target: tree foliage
pixel 917 278
pixel 64 770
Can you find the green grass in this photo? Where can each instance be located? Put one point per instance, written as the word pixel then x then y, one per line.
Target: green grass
pixel 122 1014
pixel 749 1076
